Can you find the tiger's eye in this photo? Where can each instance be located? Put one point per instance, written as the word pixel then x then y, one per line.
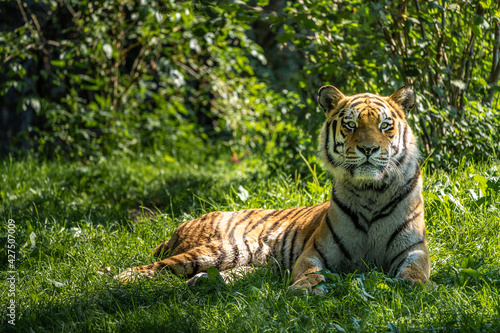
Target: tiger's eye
pixel 384 125
pixel 351 124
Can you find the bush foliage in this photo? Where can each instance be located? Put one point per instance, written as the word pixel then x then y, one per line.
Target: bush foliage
pixel 84 78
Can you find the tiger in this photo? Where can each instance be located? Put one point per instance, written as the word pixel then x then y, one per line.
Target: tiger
pixel 374 218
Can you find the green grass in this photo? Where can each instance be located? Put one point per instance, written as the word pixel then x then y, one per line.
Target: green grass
pixel 73 219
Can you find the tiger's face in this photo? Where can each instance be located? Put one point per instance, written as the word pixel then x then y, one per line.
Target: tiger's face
pixel 366 137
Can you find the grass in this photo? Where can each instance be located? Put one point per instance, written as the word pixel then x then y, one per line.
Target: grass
pixel 72 219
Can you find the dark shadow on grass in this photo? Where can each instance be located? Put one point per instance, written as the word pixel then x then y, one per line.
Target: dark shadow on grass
pixel 163 304
pixel 92 199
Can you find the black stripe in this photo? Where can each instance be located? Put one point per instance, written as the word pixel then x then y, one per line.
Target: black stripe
pixel 193 260
pixel 305 214
pixel 404 137
pixel 356 103
pixel 273 226
pixel 376 98
pixel 220 259
pixel 287 230
pixel 370 96
pixel 236 255
pixel 229 225
pixel 400 254
pixel 323 257
pixel 329 156
pixel 342 104
pixel 352 215
pixel 295 249
pixel 358 97
pixel 280 211
pixel 216 233
pixel 336 238
pixel 327 141
pixel 400 159
pixel 286 235
pixel 213 249
pixel 283 244
pixel 342 114
pixel 334 129
pixel 407 189
pixel 402 227
pixel 260 240
pixel 336 144
pixel 260 221
pixel 340 108
pixel 174 259
pixel 378 103
pixel 245 241
pixel 241 221
pixel 291 252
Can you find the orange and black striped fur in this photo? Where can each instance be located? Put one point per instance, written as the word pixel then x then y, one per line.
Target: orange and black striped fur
pixel 375 217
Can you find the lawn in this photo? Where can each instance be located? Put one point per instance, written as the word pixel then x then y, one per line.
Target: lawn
pixel 73 218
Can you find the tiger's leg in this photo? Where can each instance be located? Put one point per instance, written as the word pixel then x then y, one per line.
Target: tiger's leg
pixel 303 277
pixel 187 263
pixel 320 252
pixel 305 281
pixel 413 264
pixel 228 275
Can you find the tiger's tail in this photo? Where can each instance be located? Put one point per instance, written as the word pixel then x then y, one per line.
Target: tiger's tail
pixel 189 263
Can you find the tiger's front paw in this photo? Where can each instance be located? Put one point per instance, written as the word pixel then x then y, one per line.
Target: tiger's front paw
pixel 413 274
pixel 302 288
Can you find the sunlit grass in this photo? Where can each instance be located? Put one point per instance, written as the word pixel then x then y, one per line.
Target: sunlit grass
pixel 74 219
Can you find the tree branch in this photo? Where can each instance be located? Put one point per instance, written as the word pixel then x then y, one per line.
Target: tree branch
pixel 495 65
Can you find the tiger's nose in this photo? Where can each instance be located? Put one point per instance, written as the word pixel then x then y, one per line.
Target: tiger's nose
pixel 368 149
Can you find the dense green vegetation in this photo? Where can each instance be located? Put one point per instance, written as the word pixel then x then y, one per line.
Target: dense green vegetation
pixel 74 219
pixel 89 78
pixel 121 119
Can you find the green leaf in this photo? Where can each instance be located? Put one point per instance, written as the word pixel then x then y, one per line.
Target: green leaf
pixel 328 274
pixel 482 182
pixel 471 272
pixel 393 328
pixel 486 4
pixel 58 63
pixel 214 275
pixel 476 30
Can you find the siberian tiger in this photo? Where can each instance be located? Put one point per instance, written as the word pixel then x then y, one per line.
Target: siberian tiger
pixel 374 218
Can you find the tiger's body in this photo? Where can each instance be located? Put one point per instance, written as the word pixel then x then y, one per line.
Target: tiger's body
pixel 375 216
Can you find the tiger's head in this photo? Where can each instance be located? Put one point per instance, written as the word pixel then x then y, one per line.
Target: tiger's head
pixel 366 138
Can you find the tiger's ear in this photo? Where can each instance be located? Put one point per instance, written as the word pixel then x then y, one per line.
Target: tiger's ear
pixel 405 98
pixel 329 97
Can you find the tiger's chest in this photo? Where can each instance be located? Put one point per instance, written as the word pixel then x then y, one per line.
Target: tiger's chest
pixel 366 230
